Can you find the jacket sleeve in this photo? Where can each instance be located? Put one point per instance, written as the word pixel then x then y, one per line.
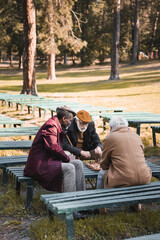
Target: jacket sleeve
pixel 106 154
pixel 50 136
pixel 68 147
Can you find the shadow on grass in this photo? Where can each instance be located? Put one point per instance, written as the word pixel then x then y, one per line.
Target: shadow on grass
pixel 88 86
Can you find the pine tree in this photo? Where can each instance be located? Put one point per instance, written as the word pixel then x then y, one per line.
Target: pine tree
pixel 115 43
pixel 29 57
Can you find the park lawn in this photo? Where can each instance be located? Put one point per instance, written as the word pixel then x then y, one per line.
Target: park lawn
pixel 137 90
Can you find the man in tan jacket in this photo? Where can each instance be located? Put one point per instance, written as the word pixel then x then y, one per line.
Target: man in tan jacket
pixel 123 163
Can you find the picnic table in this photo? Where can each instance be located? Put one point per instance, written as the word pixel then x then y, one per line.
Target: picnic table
pixel 135 119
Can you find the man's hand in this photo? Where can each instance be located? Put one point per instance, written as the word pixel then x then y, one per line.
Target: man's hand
pixel 98 150
pixel 85 154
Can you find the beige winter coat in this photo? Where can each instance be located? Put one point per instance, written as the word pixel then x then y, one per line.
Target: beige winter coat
pixel 123 156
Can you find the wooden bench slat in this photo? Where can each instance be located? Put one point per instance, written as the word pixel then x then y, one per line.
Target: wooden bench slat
pixel 146 237
pixel 101 195
pixel 105 203
pixel 5 145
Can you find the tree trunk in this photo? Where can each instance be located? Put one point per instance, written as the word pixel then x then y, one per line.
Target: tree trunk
pixel 155 27
pixel 115 43
pixel 11 60
pixel 51 67
pixel 65 59
pixel 29 54
pixel 51 57
pixel 135 34
pixel 20 61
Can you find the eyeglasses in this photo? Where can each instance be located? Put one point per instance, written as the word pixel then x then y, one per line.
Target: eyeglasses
pixel 83 123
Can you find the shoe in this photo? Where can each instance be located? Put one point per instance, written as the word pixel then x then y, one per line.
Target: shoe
pixel 103 211
pixel 79 215
pixel 136 208
pixel 91 211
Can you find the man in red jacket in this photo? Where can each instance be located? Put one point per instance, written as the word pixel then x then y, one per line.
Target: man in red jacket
pixel 47 162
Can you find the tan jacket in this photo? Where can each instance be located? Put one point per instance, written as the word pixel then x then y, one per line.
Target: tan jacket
pixel 123 156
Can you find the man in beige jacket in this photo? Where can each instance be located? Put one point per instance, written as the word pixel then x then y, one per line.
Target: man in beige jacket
pixel 123 163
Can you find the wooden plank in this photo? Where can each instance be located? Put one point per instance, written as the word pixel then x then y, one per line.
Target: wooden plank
pixel 146 237
pixel 6 145
pixel 13 160
pixel 105 203
pixel 99 196
pixel 47 197
pixel 19 131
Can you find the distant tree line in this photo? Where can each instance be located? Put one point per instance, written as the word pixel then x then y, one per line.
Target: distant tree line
pixel 87 30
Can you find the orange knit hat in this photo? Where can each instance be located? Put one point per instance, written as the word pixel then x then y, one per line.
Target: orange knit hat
pixel 84 116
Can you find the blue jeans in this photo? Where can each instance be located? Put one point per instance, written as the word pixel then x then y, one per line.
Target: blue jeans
pixel 100 181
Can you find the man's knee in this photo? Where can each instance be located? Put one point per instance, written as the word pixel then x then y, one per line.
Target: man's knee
pixel 70 168
pixel 77 163
pixel 101 174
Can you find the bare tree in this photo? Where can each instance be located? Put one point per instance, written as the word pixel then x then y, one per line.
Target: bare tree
pixel 135 33
pixel 115 42
pixel 29 54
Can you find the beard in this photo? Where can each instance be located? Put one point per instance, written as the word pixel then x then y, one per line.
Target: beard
pixel 81 129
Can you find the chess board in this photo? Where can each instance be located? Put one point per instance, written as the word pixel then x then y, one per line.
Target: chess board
pixel 93 165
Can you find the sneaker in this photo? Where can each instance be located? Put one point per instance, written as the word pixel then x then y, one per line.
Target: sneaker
pixel 137 207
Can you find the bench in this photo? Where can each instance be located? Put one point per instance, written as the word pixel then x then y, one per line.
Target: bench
pixel 135 119
pixel 65 204
pixel 18 174
pixel 146 237
pixel 19 131
pixel 8 145
pixel 10 121
pixel 10 161
pixel 155 129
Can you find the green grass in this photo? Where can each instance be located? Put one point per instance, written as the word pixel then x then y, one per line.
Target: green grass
pixel 91 86
pixel 118 223
pixel 152 151
pixel 111 226
pixel 137 77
